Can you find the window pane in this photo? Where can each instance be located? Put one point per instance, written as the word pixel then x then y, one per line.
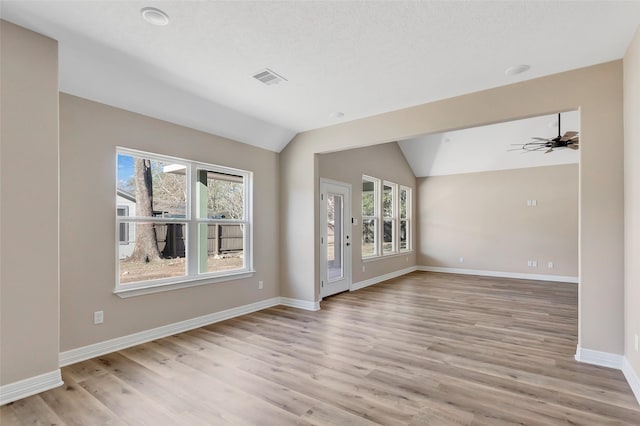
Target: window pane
pixel 387 244
pixel 403 203
pixel 387 201
pixel 404 235
pixel 368 198
pixel 221 247
pixel 334 237
pixel 220 195
pixel 369 237
pixel 157 251
pixel 156 188
pixel 123 228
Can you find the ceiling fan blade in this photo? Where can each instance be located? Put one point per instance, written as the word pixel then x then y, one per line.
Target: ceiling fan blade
pixel 541 139
pixel 573 146
pixel 549 150
pixel 568 135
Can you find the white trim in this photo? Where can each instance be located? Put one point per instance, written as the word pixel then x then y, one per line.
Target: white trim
pixel 342 283
pixel 101 348
pixel 632 378
pixel 501 274
pixel 379 279
pixel 91 351
pixel 191 221
pixel 300 304
pixel 124 292
pixel 602 359
pixel 31 386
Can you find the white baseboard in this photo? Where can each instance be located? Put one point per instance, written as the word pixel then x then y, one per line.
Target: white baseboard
pixel 300 304
pixel 31 386
pixel 91 351
pixel 602 359
pixel 379 279
pixel 606 359
pixel 632 378
pixel 500 274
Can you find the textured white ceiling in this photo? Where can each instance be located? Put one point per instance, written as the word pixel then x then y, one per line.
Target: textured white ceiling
pixel 361 58
pixel 486 148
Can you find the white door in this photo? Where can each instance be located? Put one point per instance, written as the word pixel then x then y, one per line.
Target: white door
pixel 335 237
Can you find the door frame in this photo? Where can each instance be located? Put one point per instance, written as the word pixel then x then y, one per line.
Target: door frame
pixel 347 239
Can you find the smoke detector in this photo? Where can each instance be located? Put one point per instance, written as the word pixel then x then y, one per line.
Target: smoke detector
pixel 269 77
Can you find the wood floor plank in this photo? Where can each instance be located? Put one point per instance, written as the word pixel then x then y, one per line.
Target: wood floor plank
pixel 422 349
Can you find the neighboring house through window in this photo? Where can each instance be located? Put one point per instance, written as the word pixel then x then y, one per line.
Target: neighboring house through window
pixel 123 229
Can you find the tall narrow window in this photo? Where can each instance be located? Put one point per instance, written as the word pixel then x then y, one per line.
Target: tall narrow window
pixel 187 220
pixel 405 218
pixel 370 216
pixel 386 218
pixel 389 216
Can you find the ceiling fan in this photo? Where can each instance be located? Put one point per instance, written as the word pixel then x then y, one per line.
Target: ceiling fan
pixel 570 139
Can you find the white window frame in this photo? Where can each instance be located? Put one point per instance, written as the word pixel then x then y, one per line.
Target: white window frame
pixel 191 221
pixel 393 218
pixel 376 215
pixel 407 219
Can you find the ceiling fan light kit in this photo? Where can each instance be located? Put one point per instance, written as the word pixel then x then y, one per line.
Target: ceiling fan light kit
pixel 570 139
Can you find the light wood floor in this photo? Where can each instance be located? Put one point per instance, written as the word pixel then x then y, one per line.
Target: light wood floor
pixel 423 349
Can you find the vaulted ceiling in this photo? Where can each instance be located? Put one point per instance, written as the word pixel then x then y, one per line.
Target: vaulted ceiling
pixel 356 58
pixel 492 147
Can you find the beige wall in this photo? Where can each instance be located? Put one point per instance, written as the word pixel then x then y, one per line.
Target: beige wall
pixel 484 218
pixel 595 91
pixel 29 195
pixel 632 199
pixel 89 133
pixel 385 162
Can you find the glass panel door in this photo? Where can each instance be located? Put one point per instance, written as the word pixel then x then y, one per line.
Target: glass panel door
pixel 335 257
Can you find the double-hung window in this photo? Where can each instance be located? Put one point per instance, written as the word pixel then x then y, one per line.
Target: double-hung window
pixel 192 222
pixel 386 218
pixel 405 219
pixel 370 216
pixel 390 217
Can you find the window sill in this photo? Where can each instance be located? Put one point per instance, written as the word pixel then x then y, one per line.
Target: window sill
pixel 386 256
pixel 193 282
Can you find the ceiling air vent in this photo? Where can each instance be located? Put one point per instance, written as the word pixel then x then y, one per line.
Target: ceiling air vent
pixel 269 77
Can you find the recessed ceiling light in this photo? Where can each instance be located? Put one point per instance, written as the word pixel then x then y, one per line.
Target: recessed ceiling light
pixel 154 16
pixel 337 114
pixel 517 69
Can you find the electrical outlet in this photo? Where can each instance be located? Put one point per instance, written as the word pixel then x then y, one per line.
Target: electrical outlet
pixel 636 343
pixel 529 263
pixel 260 285
pixel 363 268
pixel 550 265
pixel 98 317
pixel 461 260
